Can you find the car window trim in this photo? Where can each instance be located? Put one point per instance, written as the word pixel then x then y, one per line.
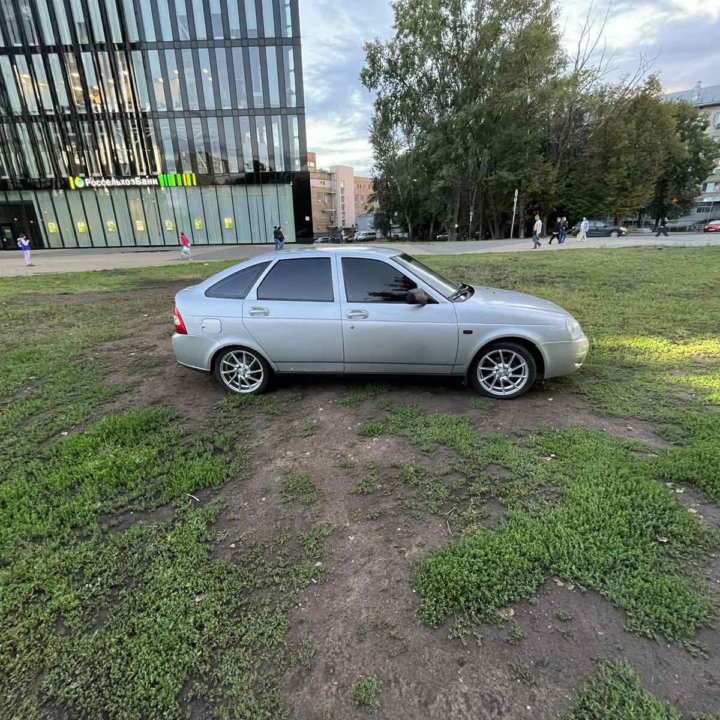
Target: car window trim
pixel 292 259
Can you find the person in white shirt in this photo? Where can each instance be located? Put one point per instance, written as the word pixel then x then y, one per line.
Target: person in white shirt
pixel 584 227
pixel 537 230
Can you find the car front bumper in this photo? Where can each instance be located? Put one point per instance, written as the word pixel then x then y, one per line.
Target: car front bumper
pixel 563 358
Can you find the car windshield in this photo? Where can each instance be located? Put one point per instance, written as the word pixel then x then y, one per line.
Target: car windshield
pixel 436 281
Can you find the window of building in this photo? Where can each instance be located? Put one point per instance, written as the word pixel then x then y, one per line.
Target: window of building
pixel 80 21
pixel 109 93
pixel 272 74
pixel 268 18
pixel 25 83
pixel 113 22
pixel 246 140
pixel 130 21
pixel 251 18
pixel 167 146
pixel 218 161
pixel 277 137
pixel 301 280
pixel 11 22
pixel 143 95
pixel 173 79
pixel 198 137
pixel 207 79
pixel 216 19
pixel 239 73
pixel 237 285
pixel 262 143
pixel 369 281
pixel 165 27
pixel 289 69
pixel 190 83
pixel 198 9
pixel 147 21
pixel 233 9
pixel 286 17
pixel 73 75
pixel 98 32
pixel 710 187
pixel 294 127
pixel 42 86
pixel 256 72
pixel 223 82
pixel 46 24
pixel 157 80
pixel 231 147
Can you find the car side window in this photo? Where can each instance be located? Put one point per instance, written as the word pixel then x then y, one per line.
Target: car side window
pixel 374 281
pixel 301 279
pixel 237 285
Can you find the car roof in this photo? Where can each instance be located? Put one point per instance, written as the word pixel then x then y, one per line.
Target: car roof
pixel 314 251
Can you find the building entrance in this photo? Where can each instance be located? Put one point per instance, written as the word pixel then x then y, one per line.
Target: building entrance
pixel 17 218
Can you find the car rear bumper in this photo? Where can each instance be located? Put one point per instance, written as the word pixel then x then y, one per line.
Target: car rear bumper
pixel 193 351
pixel 563 358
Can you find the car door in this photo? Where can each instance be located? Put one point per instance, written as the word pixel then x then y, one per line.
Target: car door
pixel 294 315
pixel 382 332
pixel 597 229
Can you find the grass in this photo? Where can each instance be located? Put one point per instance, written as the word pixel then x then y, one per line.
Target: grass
pixel 616 692
pixel 370 482
pixel 299 488
pixel 364 692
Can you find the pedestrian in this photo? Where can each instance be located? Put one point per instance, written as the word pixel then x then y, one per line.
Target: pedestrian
pixel 537 230
pixel 24 245
pixel 185 253
pixel 556 231
pixel 584 227
pixel 341 236
pixel 563 230
pixel 279 238
pixel 662 228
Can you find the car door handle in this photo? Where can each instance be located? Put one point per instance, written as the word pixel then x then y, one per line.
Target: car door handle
pixel 259 312
pixel 357 314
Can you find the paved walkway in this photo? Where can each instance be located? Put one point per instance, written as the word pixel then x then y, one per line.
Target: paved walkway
pixel 61 261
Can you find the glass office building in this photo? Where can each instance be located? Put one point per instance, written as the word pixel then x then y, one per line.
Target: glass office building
pixel 126 122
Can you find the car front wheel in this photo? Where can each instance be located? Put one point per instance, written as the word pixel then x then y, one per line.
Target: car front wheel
pixel 614 234
pixel 242 371
pixel 503 370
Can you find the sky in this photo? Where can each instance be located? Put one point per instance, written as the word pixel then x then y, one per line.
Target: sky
pixel 679 36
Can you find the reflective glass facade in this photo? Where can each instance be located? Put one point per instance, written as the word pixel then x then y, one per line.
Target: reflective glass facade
pixel 103 101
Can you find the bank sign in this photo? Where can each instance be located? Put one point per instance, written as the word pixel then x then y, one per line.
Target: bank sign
pixel 165 180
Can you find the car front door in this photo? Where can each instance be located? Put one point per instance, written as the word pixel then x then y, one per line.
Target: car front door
pixel 597 229
pixel 294 315
pixel 382 332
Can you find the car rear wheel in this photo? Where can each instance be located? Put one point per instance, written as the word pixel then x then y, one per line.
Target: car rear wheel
pixel 614 234
pixel 242 371
pixel 503 370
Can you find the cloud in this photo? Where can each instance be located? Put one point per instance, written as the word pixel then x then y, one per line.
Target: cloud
pixel 680 35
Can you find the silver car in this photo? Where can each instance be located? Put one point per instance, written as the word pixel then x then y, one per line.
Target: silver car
pixel 361 310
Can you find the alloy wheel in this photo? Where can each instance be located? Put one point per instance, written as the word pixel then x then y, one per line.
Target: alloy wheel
pixel 242 371
pixel 502 372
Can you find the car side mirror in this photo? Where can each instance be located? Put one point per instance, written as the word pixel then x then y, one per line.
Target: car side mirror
pixel 416 296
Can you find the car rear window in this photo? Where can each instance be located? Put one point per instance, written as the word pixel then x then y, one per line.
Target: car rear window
pixel 237 285
pixel 300 279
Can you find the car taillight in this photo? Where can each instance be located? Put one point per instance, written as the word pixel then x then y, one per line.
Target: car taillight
pixel 180 328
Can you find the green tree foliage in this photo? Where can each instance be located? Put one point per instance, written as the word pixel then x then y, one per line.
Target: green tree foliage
pixel 474 99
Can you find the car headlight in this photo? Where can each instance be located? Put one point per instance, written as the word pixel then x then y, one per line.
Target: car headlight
pixel 623 230
pixel 573 327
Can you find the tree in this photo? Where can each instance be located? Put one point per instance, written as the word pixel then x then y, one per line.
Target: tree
pixel 687 161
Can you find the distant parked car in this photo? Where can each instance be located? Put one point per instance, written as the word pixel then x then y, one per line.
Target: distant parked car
pixel 324 239
pixel 362 310
pixel 599 228
pixel 365 236
pixel 712 226
pixel 443 237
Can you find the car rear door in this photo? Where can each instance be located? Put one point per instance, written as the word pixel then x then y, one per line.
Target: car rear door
pixel 382 333
pixel 294 315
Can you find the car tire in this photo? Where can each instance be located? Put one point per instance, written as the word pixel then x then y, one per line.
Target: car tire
pixel 242 371
pixel 614 234
pixel 517 375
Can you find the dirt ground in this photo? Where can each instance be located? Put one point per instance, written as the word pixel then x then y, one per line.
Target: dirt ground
pixel 364 619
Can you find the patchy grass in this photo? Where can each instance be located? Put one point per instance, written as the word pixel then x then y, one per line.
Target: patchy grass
pixel 365 691
pixel 431 493
pixel 615 530
pixel 370 482
pixel 299 488
pixel 481 403
pixel 369 391
pixel 616 692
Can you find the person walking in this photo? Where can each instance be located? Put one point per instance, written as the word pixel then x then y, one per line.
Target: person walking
pixel 584 227
pixel 341 236
pixel 279 238
pixel 662 228
pixel 185 252
pixel 563 230
pixel 556 231
pixel 24 245
pixel 537 230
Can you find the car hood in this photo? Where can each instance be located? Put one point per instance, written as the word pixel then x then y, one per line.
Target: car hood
pixel 489 296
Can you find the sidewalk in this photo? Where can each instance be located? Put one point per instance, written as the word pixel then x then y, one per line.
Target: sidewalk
pixel 80 260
